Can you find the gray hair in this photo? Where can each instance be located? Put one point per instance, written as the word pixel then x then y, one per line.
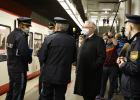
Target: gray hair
pixel 92 24
pixel 63 27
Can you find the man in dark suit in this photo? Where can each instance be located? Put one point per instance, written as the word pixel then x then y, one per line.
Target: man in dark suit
pixel 92 54
pixel 58 52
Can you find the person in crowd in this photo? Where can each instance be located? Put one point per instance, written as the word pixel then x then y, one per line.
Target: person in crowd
pixel 124 50
pixel 121 44
pixel 18 57
pixel 2 45
pixel 51 28
pixel 58 52
pixel 78 44
pixel 130 66
pixel 110 67
pixel 105 37
pixel 91 56
pixel 36 46
pixel 81 38
pixel 104 21
pixel 118 37
pixel 51 32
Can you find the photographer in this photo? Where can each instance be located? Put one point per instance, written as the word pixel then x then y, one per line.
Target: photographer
pixel 118 37
pixel 124 40
pixel 110 67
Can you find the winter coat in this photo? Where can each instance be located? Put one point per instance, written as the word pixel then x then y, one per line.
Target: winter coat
pixel 91 57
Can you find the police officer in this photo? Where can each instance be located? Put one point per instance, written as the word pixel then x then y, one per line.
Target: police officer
pixel 58 52
pixel 51 32
pixel 18 57
pixel 51 28
pixel 130 67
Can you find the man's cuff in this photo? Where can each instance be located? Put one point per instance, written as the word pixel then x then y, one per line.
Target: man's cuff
pixel 123 65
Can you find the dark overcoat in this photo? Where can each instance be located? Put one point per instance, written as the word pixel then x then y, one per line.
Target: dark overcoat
pixel 91 57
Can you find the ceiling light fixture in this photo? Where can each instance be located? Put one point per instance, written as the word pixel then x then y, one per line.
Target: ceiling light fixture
pixel 94 16
pixel 94 12
pixel 106 9
pixel 72 11
pixel 69 12
pixel 60 0
pixel 64 5
pixel 104 16
pixel 115 13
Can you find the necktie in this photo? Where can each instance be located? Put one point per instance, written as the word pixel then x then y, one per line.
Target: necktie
pixel 87 37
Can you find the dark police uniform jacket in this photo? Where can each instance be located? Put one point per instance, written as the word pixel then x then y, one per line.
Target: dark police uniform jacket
pixel 130 81
pixel 58 52
pixel 18 54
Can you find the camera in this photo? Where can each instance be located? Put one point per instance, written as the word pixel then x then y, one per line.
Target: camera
pixel 124 38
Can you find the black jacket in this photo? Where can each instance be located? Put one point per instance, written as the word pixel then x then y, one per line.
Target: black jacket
pixel 58 52
pixel 18 54
pixel 91 57
pixel 130 81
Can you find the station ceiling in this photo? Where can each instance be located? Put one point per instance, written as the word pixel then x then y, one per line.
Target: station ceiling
pixel 51 8
pixel 95 7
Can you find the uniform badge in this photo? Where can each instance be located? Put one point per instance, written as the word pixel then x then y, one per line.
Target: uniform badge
pixel 133 55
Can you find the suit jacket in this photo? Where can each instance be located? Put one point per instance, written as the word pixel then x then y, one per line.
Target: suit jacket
pixel 90 61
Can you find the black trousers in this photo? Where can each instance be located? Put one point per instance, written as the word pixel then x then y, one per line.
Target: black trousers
pixel 111 73
pixel 41 65
pixel 89 97
pixel 128 98
pixel 116 82
pixel 17 85
pixel 50 91
pixel 40 77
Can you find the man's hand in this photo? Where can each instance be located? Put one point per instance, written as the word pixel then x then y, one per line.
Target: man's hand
pixel 110 34
pixel 120 61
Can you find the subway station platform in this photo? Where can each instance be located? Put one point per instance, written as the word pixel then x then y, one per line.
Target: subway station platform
pixel 32 90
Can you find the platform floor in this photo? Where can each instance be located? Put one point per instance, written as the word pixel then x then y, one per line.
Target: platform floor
pixel 32 91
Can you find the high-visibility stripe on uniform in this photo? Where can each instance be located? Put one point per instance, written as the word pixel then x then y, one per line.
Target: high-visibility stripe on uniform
pixel 42 88
pixel 22 84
